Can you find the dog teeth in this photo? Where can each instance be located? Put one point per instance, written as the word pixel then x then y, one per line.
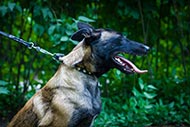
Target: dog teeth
pixel 118 60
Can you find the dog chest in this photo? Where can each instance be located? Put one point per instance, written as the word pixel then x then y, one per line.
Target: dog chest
pixel 90 107
pixel 76 98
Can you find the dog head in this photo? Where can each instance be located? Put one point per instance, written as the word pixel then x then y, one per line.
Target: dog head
pixel 99 50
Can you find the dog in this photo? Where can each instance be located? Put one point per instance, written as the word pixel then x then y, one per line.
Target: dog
pixel 71 98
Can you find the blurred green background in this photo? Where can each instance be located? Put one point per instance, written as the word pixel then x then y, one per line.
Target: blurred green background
pixel 157 98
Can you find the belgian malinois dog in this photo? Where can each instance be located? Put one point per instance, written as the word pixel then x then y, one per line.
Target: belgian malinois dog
pixel 71 98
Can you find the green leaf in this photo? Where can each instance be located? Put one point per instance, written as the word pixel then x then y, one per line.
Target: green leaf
pixel 148 106
pixel 39 29
pixel 74 42
pixel 46 13
pixel 152 87
pixel 3 83
pixel 85 19
pixel 135 14
pixel 37 11
pixel 133 102
pixel 149 95
pixel 141 84
pixel 3 10
pixel 51 29
pixel 64 38
pixel 136 92
pixel 68 32
pixel 11 6
pixel 3 90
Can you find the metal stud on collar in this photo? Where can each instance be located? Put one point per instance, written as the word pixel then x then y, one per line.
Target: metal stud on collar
pixel 83 70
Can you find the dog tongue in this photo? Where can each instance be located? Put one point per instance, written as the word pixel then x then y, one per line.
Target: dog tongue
pixel 129 64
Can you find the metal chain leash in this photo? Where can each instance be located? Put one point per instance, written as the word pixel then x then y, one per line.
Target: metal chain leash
pixel 31 45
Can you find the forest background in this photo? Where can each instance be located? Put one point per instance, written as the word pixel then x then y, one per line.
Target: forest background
pixel 157 98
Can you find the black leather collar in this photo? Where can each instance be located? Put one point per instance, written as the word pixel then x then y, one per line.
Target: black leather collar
pixel 83 70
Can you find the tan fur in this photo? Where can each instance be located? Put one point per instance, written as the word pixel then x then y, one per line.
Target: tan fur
pixel 80 53
pixel 51 106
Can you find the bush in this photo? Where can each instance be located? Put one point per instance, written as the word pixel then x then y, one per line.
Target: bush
pixel 144 108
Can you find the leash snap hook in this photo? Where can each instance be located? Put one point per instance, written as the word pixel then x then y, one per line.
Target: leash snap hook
pixel 56 56
pixel 31 45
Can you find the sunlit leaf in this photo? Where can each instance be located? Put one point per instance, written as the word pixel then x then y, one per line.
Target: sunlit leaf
pixel 149 95
pixel 64 38
pixel 148 106
pixel 85 19
pixel 3 83
pixel 152 87
pixel 3 90
pixel 11 6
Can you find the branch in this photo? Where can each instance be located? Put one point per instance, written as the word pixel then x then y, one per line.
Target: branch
pixel 142 20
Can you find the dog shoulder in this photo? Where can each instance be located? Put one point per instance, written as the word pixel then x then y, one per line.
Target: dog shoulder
pixel 25 117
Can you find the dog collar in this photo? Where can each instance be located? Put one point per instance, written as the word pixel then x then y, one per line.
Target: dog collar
pixel 83 70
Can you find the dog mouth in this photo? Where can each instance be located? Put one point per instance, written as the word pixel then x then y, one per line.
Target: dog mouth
pixel 126 65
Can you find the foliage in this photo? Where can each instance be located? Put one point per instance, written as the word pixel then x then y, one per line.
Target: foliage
pixel 157 98
pixel 142 108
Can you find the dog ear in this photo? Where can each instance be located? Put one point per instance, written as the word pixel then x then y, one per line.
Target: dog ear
pixel 81 34
pixel 86 32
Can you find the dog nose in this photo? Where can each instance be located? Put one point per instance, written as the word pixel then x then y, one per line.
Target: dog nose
pixel 146 48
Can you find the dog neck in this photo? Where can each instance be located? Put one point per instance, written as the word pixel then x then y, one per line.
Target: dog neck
pixel 84 60
pixel 80 58
pixel 83 70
